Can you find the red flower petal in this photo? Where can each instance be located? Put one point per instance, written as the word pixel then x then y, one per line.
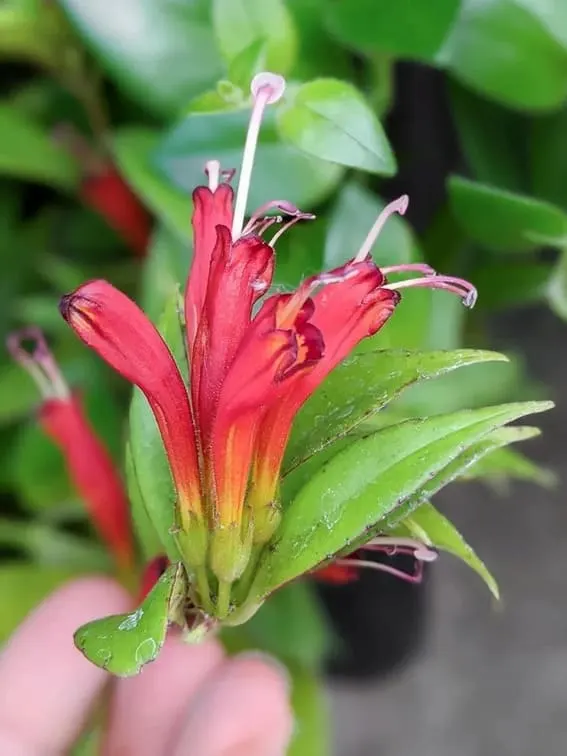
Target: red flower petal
pixel 345 312
pixel 266 358
pixel 110 195
pixel 92 472
pixel 240 273
pixel 111 324
pixel 211 209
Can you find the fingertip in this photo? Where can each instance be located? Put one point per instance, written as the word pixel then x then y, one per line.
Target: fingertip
pixel 46 685
pixel 244 709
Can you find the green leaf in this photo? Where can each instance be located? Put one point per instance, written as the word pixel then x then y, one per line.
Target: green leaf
pixel 160 53
pixel 32 30
pixel 28 153
pixel 165 271
pixel 146 535
pixel 53 548
pixel 132 149
pixel 492 139
pixel 38 470
pixel 312 726
pixel 503 465
pixel 22 587
pixel 361 386
pixel 279 170
pixel 319 55
pixel 502 220
pixel 148 468
pixel 430 526
pixel 509 51
pixel 404 29
pixel 359 487
pixel 508 285
pixel 330 119
pixel 457 469
pixel 238 24
pixel 557 287
pixel 18 393
pixel 548 157
pixel 123 643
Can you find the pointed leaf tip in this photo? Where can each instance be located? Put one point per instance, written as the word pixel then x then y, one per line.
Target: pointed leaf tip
pixel 123 643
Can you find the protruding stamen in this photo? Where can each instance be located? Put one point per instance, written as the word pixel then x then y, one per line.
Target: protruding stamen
pixel 266 88
pixel 458 286
pixel 424 268
pixel 415 577
pixel 397 206
pixel 288 225
pixel 394 545
pixel 259 215
pixel 38 361
pixel 213 172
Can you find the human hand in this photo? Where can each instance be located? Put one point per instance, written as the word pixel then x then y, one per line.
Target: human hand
pixel 193 701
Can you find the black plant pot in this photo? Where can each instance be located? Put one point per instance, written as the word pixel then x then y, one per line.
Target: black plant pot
pixel 379 621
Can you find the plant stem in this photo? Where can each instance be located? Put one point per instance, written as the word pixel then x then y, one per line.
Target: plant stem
pixel 203 589
pixel 223 598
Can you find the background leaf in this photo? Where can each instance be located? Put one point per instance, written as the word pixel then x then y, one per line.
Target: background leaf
pixel 161 54
pixel 330 119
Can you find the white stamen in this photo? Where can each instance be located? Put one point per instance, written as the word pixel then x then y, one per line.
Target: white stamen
pixel 213 171
pixel 397 206
pixel 266 88
pixel 427 270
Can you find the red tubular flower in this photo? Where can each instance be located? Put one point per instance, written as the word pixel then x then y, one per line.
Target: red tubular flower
pixel 106 192
pixel 250 373
pixel 90 467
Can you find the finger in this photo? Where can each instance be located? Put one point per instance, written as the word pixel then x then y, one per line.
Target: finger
pixel 46 686
pixel 242 711
pixel 146 708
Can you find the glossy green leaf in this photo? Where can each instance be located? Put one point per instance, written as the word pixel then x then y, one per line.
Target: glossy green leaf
pixel 149 471
pixel 557 287
pixel 479 385
pixel 502 220
pixel 279 170
pixel 360 387
pixel 29 153
pixel 430 526
pixel 492 138
pixel 160 53
pixel 133 148
pixel 330 119
pixel 146 535
pixel 22 587
pixel 510 51
pixel 124 643
pixel 457 469
pixel 406 28
pixel 503 465
pixel 363 484
pixel 238 24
